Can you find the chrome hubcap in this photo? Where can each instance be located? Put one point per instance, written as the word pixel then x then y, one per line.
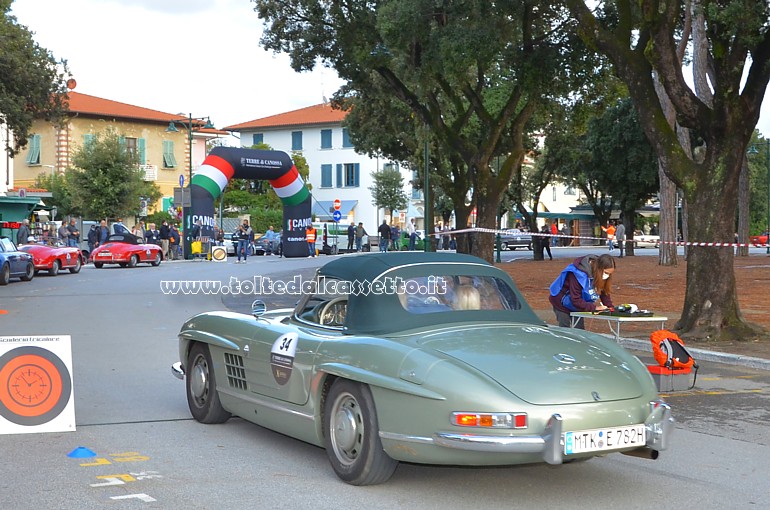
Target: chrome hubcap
pixel 347 429
pixel 199 380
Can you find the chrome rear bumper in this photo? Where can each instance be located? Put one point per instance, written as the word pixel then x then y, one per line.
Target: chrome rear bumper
pixel 659 424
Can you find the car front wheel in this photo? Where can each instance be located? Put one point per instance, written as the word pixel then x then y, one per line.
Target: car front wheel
pixel 351 435
pixel 202 395
pixel 78 265
pixel 29 272
pixel 5 274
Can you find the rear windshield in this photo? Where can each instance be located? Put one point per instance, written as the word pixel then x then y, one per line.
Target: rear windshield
pixel 446 293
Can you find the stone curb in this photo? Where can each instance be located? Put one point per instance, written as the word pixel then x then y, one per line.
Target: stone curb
pixel 704 355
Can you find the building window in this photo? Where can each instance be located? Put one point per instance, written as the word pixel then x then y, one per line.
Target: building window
pixel 346 139
pixel 296 140
pixel 348 175
pixel 326 176
pixel 33 156
pixel 326 138
pixel 554 194
pixel 416 193
pixel 257 138
pixel 169 161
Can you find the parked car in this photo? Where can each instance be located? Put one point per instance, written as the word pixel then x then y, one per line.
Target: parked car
pixel 419 244
pixel 54 258
pixel 229 244
pixel 14 263
pixel 646 241
pixel 262 245
pixel 760 239
pixel 126 250
pixel 515 238
pixel 431 358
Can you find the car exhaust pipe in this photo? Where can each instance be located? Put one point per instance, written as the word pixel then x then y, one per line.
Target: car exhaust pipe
pixel 644 453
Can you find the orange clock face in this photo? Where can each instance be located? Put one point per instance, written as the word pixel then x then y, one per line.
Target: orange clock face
pixel 35 386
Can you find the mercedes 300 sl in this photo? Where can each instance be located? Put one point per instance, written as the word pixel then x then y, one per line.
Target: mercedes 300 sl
pixel 429 358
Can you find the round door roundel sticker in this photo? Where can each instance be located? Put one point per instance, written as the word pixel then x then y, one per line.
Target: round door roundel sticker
pixel 282 357
pixel 35 386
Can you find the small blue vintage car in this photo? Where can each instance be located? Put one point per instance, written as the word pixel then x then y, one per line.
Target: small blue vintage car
pixel 430 358
pixel 14 263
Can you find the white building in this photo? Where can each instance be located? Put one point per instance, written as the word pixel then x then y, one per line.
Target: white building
pixel 337 171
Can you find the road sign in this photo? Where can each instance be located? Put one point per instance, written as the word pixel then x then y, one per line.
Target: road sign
pixel 337 216
pixel 181 180
pixel 337 204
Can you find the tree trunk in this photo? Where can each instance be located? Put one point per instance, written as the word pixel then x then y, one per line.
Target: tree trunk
pixel 711 308
pixel 667 225
pixel 486 217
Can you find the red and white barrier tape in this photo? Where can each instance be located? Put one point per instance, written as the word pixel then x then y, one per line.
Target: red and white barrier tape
pixel 542 234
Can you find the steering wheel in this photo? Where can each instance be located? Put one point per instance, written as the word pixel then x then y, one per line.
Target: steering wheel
pixel 334 311
pixel 432 300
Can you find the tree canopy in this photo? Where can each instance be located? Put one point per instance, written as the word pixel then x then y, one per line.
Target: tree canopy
pixel 32 82
pixel 731 55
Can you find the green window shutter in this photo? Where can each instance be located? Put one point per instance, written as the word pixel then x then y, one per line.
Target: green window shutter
pixel 169 161
pixel 141 145
pixel 33 156
pixel 88 140
pixel 339 175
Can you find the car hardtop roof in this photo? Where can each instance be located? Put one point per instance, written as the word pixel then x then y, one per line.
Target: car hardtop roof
pixel 124 238
pixel 370 266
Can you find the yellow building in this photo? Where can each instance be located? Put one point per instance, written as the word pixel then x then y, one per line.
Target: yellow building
pixel 162 142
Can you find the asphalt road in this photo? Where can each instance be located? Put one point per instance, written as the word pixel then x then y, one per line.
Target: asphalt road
pixel 149 453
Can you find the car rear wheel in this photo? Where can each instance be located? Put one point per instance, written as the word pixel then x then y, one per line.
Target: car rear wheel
pixel 351 435
pixel 133 261
pixel 98 265
pixel 78 265
pixel 156 261
pixel 202 395
pixel 54 268
pixel 29 272
pixel 5 274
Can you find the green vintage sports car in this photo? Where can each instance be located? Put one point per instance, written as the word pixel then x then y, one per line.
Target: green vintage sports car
pixel 430 358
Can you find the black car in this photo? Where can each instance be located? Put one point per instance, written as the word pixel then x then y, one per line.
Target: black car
pixel 262 245
pixel 515 238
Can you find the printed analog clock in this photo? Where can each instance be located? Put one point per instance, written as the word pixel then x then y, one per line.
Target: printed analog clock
pixel 35 385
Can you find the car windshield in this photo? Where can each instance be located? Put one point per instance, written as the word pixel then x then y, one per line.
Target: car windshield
pixel 7 245
pixel 445 293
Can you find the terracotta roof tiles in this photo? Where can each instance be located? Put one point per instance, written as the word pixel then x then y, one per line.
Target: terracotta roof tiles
pixel 311 115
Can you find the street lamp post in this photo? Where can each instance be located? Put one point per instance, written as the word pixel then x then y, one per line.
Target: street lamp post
pixel 187 226
pixel 753 150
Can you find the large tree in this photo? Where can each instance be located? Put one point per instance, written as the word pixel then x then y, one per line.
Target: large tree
pixel 641 38
pixel 32 81
pixel 473 71
pixel 106 181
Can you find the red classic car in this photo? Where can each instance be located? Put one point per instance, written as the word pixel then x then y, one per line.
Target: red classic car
pixel 54 258
pixel 760 239
pixel 126 250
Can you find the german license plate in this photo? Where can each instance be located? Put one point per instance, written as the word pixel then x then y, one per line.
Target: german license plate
pixel 105 254
pixel 597 440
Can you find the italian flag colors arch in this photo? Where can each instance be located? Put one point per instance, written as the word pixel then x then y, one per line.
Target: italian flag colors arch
pixel 225 163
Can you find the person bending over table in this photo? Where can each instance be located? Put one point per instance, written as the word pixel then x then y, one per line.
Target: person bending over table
pixel 583 286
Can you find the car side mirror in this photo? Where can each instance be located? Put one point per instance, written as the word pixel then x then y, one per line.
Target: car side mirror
pixel 258 307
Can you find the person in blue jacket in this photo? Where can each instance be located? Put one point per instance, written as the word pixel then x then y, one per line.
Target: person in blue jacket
pixel 583 286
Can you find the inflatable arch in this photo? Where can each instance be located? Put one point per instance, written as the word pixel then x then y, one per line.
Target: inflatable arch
pixel 225 163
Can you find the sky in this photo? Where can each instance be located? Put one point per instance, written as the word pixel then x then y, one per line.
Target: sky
pixel 199 57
